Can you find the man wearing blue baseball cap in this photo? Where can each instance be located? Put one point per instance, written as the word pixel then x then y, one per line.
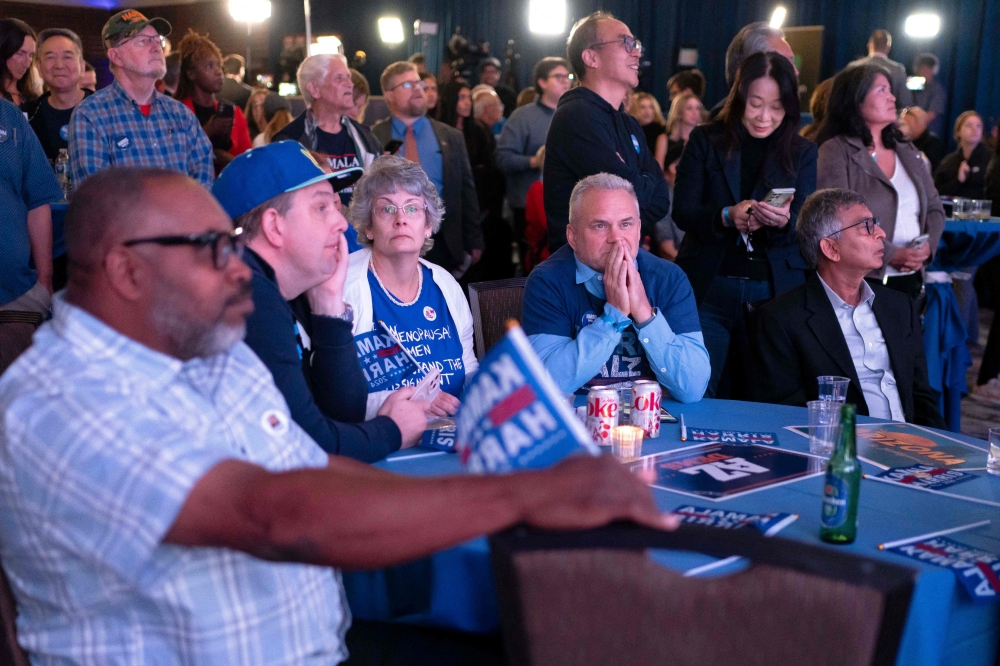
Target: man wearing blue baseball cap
pixel 301 327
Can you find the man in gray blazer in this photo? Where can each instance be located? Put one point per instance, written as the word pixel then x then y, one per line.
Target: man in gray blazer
pixel 878 53
pixel 440 150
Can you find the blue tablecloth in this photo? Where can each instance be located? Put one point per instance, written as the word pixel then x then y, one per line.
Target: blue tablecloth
pixel 963 244
pixel 455 588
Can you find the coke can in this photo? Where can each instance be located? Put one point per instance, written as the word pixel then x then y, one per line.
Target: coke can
pixel 602 414
pixel 646 398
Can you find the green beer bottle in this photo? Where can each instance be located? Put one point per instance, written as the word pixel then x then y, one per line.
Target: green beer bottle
pixel 843 481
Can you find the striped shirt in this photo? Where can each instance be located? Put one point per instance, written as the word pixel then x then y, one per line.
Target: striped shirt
pixel 108 129
pixel 101 441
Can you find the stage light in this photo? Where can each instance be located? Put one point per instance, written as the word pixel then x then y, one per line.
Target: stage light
pixel 778 17
pixel 390 29
pixel 326 44
pixel 250 11
pixel 922 25
pixel 547 17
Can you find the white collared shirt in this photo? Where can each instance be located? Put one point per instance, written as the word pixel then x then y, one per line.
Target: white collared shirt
pixel 869 353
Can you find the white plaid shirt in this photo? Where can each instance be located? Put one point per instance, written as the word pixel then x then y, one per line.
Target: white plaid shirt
pixel 101 441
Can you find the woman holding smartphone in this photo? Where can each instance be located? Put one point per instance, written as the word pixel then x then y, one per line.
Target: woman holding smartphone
pixel 862 149
pixel 739 248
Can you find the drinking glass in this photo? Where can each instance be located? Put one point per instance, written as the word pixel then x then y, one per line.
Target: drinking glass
pixel 824 426
pixel 833 388
pixel 961 208
pixel 993 457
pixel 982 208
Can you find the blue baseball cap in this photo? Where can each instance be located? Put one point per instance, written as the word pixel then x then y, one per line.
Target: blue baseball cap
pixel 259 175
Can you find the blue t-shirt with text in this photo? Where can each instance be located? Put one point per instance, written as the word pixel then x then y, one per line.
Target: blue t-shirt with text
pixel 427 331
pixel 556 304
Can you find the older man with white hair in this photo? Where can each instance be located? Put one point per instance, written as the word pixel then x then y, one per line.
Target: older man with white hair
pixel 603 312
pixel 839 324
pixel 325 126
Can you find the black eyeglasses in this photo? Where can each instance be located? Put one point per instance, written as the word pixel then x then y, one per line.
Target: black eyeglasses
pixel 221 252
pixel 409 85
pixel 628 41
pixel 869 222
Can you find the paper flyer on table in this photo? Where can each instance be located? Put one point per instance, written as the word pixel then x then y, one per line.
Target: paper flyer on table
pixel 719 471
pixel 732 436
pixel 888 445
pixel 767 524
pixel 926 476
pixel 513 415
pixel 977 571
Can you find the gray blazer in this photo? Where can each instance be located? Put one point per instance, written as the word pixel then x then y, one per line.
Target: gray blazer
pixel 845 162
pixel 460 229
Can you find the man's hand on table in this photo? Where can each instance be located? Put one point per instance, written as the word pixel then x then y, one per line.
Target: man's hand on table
pixel 586 491
pixel 410 416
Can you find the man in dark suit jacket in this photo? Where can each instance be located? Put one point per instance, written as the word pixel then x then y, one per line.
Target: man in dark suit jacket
pixel 441 152
pixel 839 324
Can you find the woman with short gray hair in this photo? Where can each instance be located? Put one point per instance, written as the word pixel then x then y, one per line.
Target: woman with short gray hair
pixel 399 299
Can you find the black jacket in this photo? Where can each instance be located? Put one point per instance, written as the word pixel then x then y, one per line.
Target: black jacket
pixel 708 180
pixel 461 229
pixel 330 385
pixel 798 339
pixel 298 131
pixel 974 187
pixel 589 136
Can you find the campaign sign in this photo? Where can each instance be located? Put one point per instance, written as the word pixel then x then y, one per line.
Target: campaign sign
pixel 926 476
pixel 731 436
pixel 889 445
pixel 383 361
pixel 441 439
pixel 513 415
pixel 977 571
pixel 767 524
pixel 722 470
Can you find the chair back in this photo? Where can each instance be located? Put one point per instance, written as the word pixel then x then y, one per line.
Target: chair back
pixel 595 597
pixel 11 653
pixel 492 304
pixel 16 329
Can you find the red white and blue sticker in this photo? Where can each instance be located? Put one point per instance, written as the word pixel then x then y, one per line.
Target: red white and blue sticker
pixel 767 524
pixel 977 571
pixel 732 436
pixel 926 476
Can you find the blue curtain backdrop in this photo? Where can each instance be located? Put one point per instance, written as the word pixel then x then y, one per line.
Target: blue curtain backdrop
pixel 967 45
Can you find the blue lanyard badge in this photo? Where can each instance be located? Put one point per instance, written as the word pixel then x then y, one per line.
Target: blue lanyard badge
pixel 635 142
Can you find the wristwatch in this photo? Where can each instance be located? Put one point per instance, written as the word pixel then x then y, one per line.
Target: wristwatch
pixel 347 315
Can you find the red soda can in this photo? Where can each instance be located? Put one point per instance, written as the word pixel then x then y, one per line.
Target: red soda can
pixel 646 399
pixel 602 414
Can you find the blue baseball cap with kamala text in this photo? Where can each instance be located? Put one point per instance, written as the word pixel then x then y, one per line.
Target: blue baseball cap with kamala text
pixel 259 175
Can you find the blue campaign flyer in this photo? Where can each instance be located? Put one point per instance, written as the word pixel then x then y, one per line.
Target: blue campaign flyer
pixel 767 524
pixel 977 571
pixel 440 439
pixel 382 360
pixel 513 415
pixel 732 436
pixel 720 470
pixel 926 476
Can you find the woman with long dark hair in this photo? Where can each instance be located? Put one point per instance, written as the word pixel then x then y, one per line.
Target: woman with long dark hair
pixel 862 149
pixel 738 248
pixel 17 52
pixel 455 107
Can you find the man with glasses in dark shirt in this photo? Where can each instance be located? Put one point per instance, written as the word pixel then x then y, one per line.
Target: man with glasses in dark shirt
pixel 590 131
pixel 441 152
pixel 839 324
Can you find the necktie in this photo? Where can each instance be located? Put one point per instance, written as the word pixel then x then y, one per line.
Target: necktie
pixel 410 151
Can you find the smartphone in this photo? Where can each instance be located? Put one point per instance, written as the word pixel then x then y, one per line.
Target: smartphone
pixel 225 110
pixel 918 241
pixel 779 196
pixel 428 387
pixel 393 146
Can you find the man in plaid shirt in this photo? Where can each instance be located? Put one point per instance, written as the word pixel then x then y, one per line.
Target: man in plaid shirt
pixel 159 505
pixel 129 123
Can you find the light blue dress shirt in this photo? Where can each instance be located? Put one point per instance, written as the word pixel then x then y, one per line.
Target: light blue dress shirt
pixel 869 353
pixel 680 362
pixel 428 147
pixel 101 442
